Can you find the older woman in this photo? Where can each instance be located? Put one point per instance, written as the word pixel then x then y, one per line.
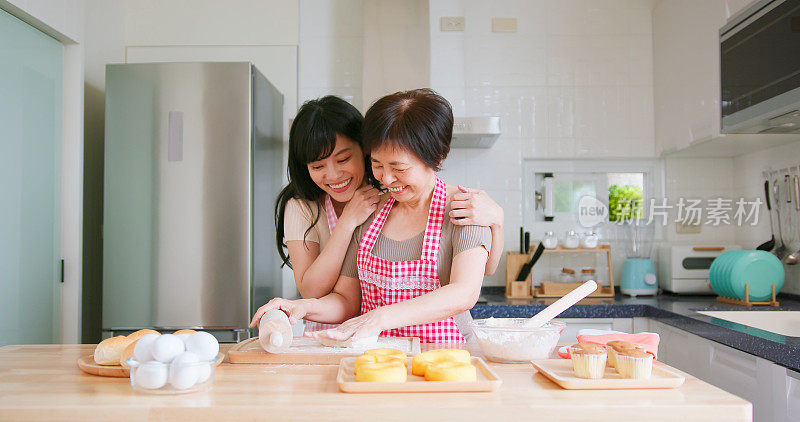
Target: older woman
pixel 408 270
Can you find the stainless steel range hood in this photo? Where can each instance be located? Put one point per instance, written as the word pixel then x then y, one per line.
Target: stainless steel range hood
pixel 475 132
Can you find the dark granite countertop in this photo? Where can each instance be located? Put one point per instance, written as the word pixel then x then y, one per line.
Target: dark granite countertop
pixel 674 310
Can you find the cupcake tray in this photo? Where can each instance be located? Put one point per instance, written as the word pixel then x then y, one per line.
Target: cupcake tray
pixel 560 372
pixel 487 381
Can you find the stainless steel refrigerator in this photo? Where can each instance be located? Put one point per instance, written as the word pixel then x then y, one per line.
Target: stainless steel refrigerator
pixel 192 169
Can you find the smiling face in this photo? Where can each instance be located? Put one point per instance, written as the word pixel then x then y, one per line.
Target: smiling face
pixel 340 173
pixel 403 173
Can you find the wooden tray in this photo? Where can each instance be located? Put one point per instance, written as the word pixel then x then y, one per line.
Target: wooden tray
pixel 307 351
pixel 487 381
pixel 560 372
pixel 88 365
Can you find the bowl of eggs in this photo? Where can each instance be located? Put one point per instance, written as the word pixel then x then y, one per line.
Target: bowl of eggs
pixel 174 364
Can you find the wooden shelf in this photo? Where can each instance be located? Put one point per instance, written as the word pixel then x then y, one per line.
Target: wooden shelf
pixel 526 290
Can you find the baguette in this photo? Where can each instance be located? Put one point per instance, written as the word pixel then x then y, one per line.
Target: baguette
pixel 108 352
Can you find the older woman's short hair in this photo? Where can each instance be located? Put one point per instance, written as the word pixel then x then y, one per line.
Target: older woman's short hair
pixel 420 121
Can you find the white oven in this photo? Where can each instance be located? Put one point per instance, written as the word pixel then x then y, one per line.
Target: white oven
pixel 684 268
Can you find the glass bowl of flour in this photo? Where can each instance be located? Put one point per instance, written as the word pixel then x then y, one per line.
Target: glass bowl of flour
pixel 508 340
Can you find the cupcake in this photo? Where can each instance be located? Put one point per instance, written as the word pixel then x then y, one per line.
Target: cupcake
pixel 614 347
pixel 588 360
pixel 634 363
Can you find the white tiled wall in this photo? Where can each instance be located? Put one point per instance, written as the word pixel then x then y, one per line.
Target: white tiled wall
pixel 330 50
pixel 704 179
pixel 575 80
pixel 749 183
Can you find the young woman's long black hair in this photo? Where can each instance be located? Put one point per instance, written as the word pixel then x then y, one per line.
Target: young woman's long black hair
pixel 312 137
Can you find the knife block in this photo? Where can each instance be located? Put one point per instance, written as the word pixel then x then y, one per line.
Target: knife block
pixel 517 289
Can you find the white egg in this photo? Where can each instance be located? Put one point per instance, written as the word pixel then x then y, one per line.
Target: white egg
pixel 142 351
pixel 151 375
pixel 183 371
pixel 203 344
pixel 167 347
pixel 183 336
pixel 204 371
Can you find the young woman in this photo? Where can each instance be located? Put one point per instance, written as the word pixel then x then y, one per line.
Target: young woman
pixel 418 265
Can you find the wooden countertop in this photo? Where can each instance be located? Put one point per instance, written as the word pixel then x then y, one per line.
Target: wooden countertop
pixel 44 382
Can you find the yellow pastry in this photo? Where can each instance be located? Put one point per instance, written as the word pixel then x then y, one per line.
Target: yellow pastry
pixel 588 360
pixel 451 371
pixel 367 359
pixel 613 347
pixel 634 363
pixel 399 354
pixel 391 371
pixel 422 361
pixel 184 331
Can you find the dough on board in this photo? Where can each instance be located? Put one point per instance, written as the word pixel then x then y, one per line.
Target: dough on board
pixel 361 343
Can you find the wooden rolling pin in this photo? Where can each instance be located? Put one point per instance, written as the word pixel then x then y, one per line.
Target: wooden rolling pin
pixel 562 304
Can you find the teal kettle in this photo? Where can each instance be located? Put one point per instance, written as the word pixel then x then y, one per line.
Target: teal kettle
pixel 639 277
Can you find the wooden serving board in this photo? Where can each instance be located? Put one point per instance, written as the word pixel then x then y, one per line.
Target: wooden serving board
pixel 560 372
pixel 88 365
pixel 487 381
pixel 308 351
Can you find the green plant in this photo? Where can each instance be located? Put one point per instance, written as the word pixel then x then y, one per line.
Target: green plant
pixel 625 203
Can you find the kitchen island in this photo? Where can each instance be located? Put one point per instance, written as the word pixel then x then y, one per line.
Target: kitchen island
pixel 44 382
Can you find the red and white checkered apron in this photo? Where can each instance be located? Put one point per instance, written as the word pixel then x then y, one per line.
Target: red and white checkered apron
pixel 330 213
pixel 386 282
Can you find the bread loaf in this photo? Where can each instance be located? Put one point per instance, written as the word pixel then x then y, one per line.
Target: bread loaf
pixel 109 350
pixel 136 335
pixel 184 331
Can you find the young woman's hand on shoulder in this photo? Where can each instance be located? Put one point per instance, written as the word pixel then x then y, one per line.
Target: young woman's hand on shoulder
pixel 364 203
pixel 473 207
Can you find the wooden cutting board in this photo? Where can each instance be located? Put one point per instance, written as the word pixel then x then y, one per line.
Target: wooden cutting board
pixel 487 381
pixel 307 351
pixel 560 372
pixel 88 365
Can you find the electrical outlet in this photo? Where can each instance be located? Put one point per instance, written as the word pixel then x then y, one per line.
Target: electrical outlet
pixel 686 228
pixel 451 23
pixel 504 25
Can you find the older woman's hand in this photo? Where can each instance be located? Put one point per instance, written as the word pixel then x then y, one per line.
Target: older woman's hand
pixel 472 207
pixel 367 325
pixel 295 309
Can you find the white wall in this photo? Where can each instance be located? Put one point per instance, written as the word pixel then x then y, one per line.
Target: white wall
pixel 748 182
pixel 574 81
pixel 63 20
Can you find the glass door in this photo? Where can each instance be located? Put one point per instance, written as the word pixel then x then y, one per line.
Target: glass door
pixel 30 183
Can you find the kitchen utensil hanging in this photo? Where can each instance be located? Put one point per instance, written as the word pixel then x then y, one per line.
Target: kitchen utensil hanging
pixel 769 245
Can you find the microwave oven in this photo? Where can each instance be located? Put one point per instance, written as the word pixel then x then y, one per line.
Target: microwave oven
pixel 760 69
pixel 684 269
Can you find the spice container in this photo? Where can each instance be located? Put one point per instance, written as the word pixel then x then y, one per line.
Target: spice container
pixel 590 240
pixel 587 273
pixel 571 240
pixel 550 241
pixel 567 276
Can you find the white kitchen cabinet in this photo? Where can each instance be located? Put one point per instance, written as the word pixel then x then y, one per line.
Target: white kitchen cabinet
pixel 686 71
pixel 576 324
pixel 773 389
pixel 732 7
pixel 787 404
